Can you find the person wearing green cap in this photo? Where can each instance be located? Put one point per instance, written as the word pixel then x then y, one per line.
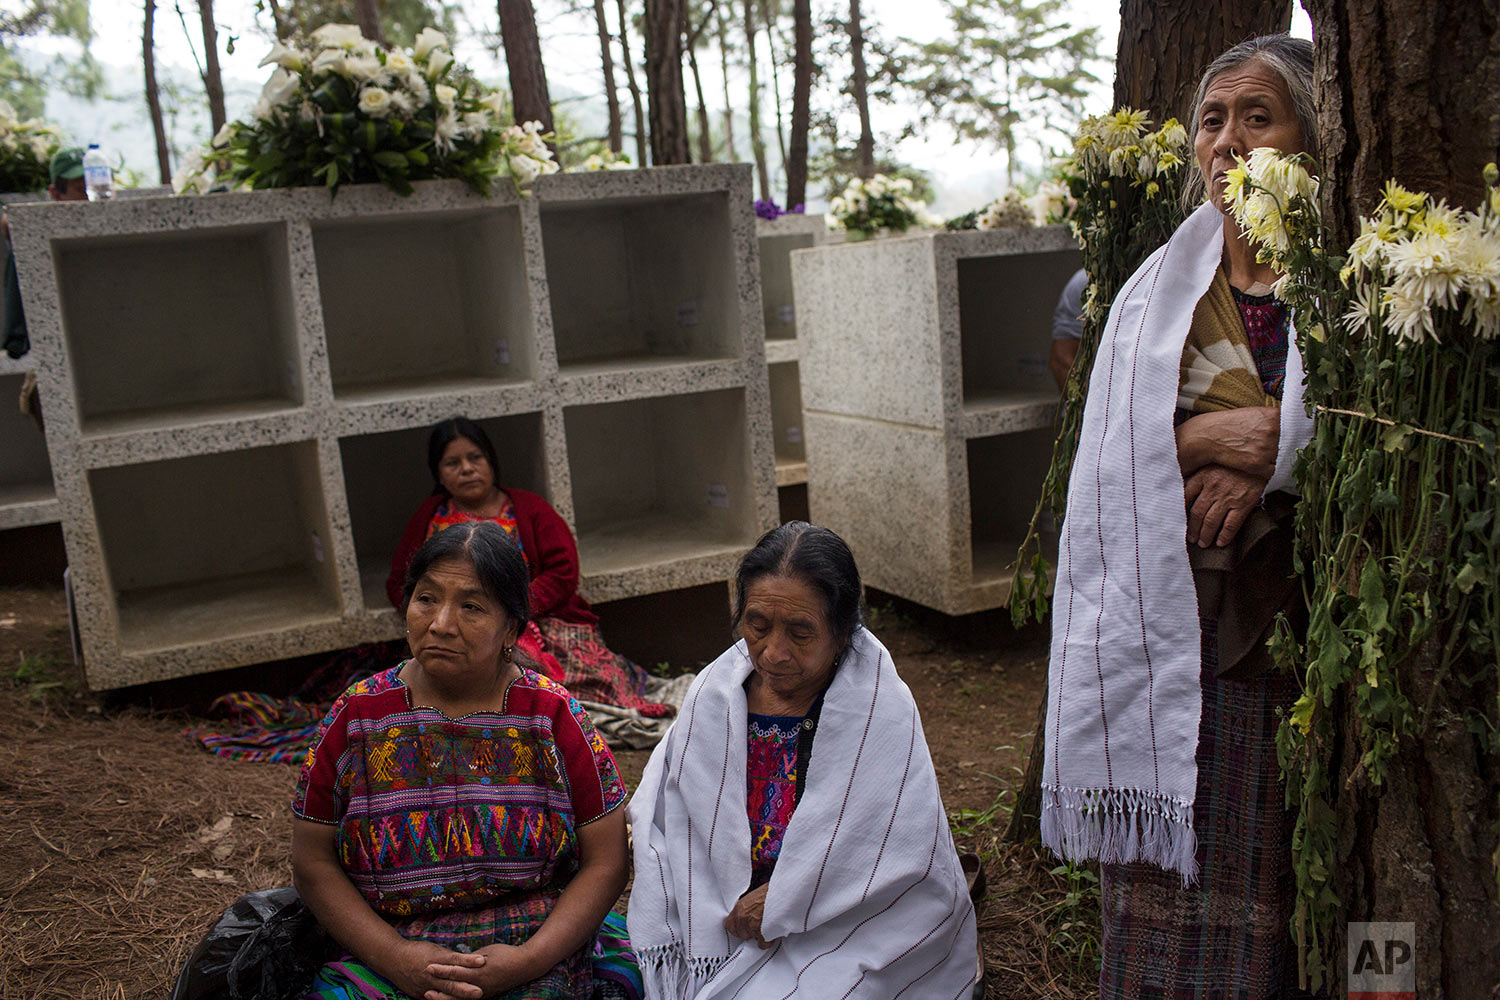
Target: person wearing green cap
pixel 65 176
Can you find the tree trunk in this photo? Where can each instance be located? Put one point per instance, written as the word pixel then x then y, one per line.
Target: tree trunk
pixel 616 138
pixel 635 88
pixel 721 32
pixel 153 94
pixel 705 134
pixel 280 21
pixel 757 143
pixel 861 92
pixel 213 79
pixel 1406 89
pixel 669 138
pixel 767 9
pixel 367 16
pixel 523 57
pixel 1165 45
pixel 796 164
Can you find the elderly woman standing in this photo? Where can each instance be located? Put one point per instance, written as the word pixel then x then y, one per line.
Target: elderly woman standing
pixel 1161 731
pixel 788 832
pixel 457 827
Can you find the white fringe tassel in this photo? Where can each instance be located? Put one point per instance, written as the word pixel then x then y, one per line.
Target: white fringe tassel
pixel 669 974
pixel 1119 825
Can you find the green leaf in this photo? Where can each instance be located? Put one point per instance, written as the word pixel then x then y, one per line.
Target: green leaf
pixel 1466 578
pixel 390 159
pixel 1394 438
pixel 417 157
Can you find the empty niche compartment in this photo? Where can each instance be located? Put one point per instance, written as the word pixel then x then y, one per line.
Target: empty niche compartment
pixel 640 281
pixel 1005 481
pixel 214 547
pixel 657 480
pixel 1005 306
pixel 786 422
pixel 200 323
pixel 776 283
pixel 424 302
pixel 25 471
pixel 386 479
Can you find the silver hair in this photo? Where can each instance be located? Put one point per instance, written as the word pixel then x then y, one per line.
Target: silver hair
pixel 1292 60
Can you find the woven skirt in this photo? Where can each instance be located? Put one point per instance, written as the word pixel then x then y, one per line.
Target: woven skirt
pixel 1228 937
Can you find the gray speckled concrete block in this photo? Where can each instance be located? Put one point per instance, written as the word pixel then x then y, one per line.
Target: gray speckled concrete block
pixel 778 238
pixel 239 388
pixel 27 496
pixel 928 404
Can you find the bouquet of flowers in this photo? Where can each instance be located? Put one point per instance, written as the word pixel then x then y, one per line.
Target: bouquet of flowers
pixel 1009 211
pixel 768 209
pixel 338 109
pixel 608 160
pixel 26 151
pixel 1400 486
pixel 881 203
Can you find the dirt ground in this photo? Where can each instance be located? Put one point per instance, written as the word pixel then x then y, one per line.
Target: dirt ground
pixel 121 841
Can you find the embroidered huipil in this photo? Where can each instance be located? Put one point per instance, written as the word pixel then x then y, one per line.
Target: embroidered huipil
pixel 770 787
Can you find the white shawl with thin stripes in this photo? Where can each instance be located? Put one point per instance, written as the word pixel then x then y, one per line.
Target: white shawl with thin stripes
pixel 867 899
pixel 1124 698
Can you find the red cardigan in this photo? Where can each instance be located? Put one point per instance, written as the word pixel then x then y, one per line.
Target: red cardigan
pixel 550 551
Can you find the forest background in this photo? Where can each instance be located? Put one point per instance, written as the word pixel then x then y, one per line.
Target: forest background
pixel 79 64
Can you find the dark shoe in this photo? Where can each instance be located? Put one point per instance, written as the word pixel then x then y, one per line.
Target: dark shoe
pixel 973 875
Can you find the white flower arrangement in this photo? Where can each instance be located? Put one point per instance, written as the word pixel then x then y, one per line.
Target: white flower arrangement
pixel 26 150
pixel 608 160
pixel 1009 211
pixel 338 109
pixel 880 203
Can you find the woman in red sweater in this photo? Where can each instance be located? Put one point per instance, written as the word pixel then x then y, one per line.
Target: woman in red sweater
pixel 463 464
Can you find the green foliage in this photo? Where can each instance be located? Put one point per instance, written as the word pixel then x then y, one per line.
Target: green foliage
pixel 26 77
pixel 1073 921
pixel 26 149
pixel 39 674
pixel 1125 182
pixel 1008 68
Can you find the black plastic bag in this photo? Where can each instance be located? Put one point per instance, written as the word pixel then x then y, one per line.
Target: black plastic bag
pixel 266 946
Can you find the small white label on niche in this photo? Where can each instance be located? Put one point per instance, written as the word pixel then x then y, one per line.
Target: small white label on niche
pixel 502 351
pixel 317 547
pixel 687 313
pixel 718 495
pixel 786 314
pixel 794 435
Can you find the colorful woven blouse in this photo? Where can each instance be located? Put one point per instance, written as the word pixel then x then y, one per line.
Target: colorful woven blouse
pixel 459 831
pixel 1268 324
pixel 448 515
pixel 770 786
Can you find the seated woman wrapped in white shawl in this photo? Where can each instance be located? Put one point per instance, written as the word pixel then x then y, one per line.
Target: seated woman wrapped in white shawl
pixel 789 835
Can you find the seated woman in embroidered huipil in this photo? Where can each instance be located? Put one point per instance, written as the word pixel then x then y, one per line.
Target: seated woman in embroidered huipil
pixel 457 826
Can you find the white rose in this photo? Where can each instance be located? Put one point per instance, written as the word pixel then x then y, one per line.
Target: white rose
pixel 344 36
pixel 445 94
pixel 429 39
pixel 398 63
pixel 285 57
pixel 375 102
pixel 437 62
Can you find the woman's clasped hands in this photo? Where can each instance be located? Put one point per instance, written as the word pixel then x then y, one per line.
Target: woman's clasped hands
pixel 432 972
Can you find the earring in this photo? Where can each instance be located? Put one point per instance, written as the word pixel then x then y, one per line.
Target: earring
pixel 508 652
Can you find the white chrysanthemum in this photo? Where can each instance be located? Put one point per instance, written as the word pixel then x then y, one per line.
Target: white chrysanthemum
pixel 1009 211
pixel 1365 307
pixel 1173 136
pixel 416 84
pixel 1423 269
pixel 375 102
pixel 446 132
pixel 366 69
pixel 341 36
pixel 1122 128
pixel 1409 317
pixel 476 122
pixel 1120 161
pixel 403 104
pixel 426 42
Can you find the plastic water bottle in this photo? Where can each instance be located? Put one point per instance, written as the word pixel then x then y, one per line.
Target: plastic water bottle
pixel 98 179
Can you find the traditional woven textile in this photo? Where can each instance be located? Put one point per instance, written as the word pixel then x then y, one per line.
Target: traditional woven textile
pixel 770 787
pixel 461 831
pixel 867 899
pixel 1124 698
pixel 1218 369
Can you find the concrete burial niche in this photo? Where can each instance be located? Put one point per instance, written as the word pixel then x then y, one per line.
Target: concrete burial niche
pixel 637 281
pixel 786 421
pixel 777 239
pixel 27 496
pixel 215 546
pixel 928 407
pixel 386 478
pixel 663 490
pixel 414 304
pixel 185 325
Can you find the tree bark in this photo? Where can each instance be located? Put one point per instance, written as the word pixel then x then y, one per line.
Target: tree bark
pixel 705 134
pixel 523 57
pixel 153 94
pixel 721 32
pixel 669 138
pixel 606 59
pixel 796 164
pixel 367 16
pixel 279 21
pixel 767 9
pixel 1406 89
pixel 757 142
pixel 860 87
pixel 1165 45
pixel 635 88
pixel 213 79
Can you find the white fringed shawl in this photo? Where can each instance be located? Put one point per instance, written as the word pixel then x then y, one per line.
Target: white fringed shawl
pixel 1123 688
pixel 867 898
